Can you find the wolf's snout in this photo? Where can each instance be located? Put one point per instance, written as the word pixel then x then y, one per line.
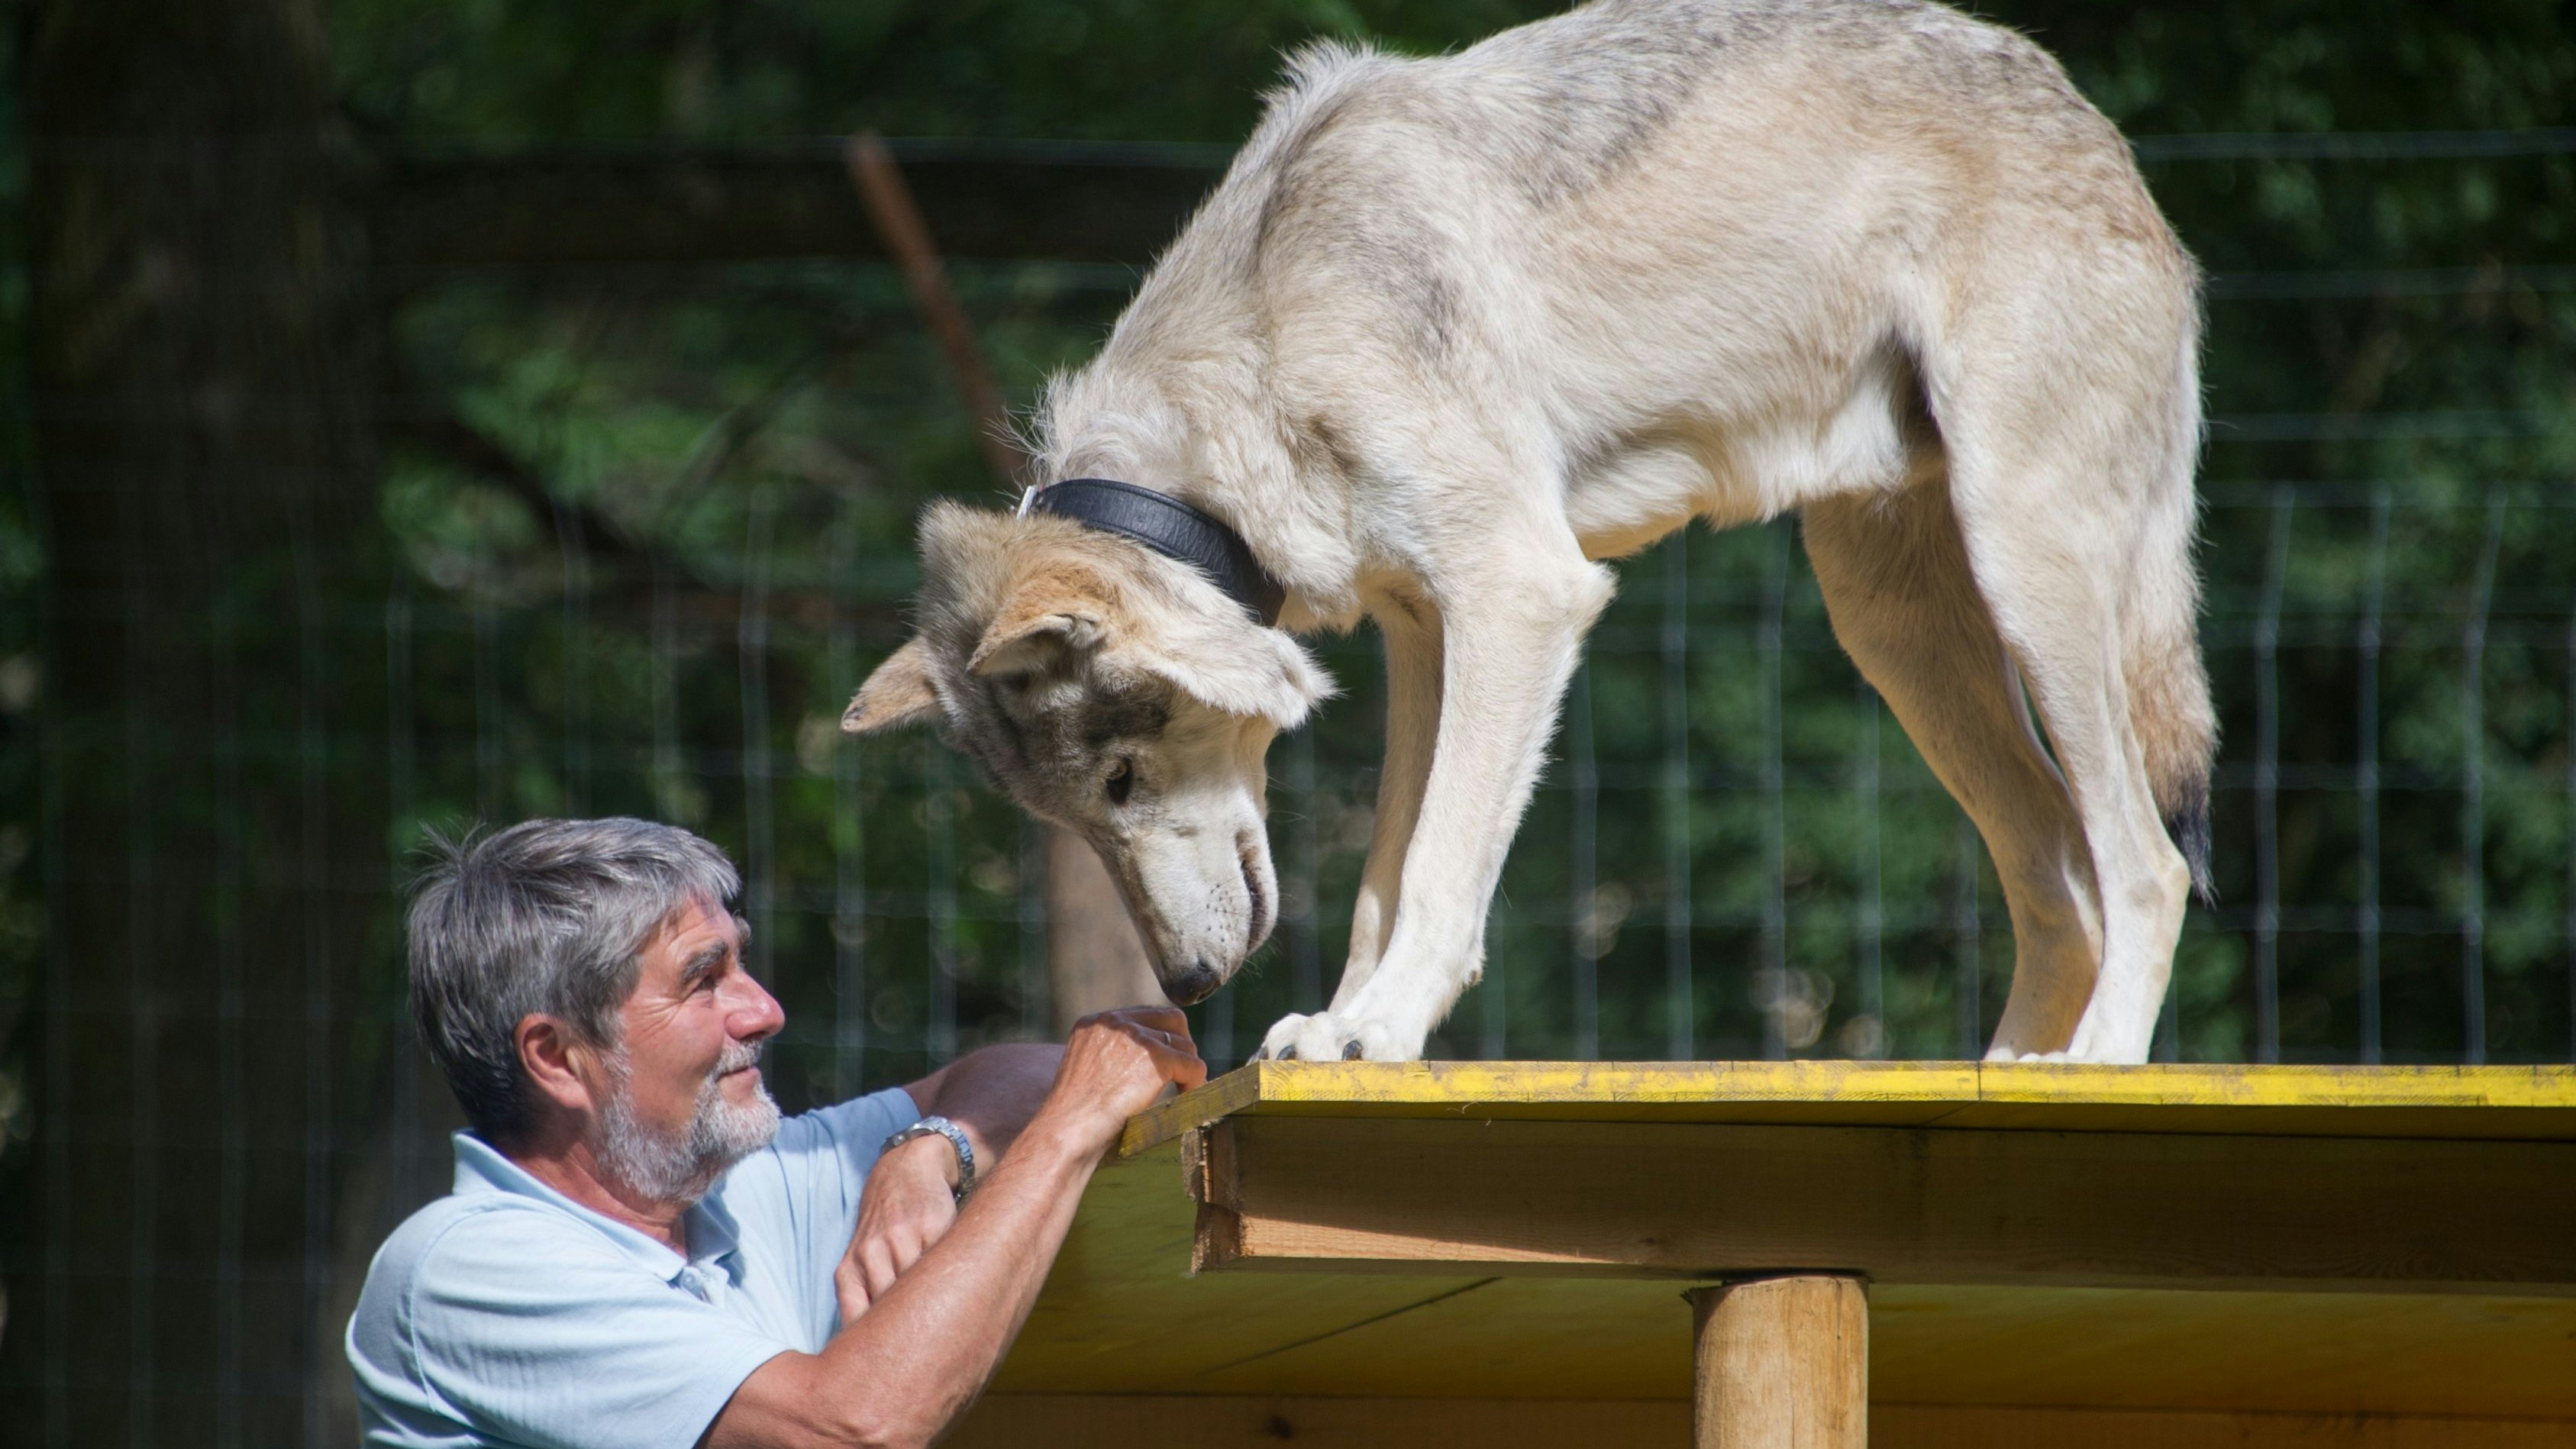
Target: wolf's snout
pixel 1193 986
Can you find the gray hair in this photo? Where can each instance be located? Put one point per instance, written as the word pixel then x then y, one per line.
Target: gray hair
pixel 547 917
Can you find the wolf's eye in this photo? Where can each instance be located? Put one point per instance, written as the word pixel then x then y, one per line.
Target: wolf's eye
pixel 1121 783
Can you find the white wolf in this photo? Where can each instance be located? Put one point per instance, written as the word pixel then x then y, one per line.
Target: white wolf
pixel 1453 329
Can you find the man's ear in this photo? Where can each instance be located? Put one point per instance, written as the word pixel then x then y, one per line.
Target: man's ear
pixel 546 1054
pixel 1229 662
pixel 897 694
pixel 1053 610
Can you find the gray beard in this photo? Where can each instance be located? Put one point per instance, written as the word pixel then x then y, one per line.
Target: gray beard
pixel 679 1168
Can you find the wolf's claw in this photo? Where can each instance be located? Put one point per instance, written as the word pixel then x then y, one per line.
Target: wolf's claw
pixel 1325 1037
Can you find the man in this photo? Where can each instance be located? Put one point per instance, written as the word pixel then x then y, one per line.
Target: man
pixel 638 1252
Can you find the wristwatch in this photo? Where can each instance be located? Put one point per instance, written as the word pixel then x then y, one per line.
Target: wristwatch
pixel 956 1136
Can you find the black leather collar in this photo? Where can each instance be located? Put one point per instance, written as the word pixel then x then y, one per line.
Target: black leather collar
pixel 1171 528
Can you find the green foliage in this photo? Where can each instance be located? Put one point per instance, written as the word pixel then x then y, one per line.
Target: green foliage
pixel 740 451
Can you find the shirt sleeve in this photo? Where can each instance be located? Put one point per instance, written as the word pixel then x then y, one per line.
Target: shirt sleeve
pixel 587 1348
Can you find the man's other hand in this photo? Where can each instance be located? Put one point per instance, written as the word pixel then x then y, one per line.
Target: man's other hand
pixel 908 1203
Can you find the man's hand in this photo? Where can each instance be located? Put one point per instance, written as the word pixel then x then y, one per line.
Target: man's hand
pixel 1115 1066
pixel 908 1203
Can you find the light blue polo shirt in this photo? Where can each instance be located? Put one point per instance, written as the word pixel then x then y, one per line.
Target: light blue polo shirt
pixel 506 1314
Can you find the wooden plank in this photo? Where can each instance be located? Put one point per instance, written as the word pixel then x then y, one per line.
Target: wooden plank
pixel 1900 1205
pixel 1913 1427
pixel 2377 1353
pixel 1119 1310
pixel 1106 1421
pixel 1142 1327
pixel 1893 1093
pixel 2529 1103
pixel 1781 1363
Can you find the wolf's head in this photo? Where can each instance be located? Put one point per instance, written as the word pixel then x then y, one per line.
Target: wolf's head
pixel 1118 693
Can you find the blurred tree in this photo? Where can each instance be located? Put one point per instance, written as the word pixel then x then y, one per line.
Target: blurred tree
pixel 203 433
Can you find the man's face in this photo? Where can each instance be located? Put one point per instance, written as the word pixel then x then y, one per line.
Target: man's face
pixel 684 1099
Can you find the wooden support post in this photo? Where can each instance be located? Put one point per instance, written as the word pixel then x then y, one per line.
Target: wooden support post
pixel 1781 1363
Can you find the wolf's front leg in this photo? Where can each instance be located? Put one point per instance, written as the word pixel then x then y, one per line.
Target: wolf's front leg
pixel 1511 629
pixel 1411 628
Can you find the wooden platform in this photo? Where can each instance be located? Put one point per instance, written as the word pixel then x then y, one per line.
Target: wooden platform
pixel 1495 1254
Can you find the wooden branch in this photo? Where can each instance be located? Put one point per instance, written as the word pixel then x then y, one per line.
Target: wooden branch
pixel 669 206
pixel 907 236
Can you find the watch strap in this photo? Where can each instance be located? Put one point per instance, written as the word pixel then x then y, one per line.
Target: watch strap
pixel 956 1136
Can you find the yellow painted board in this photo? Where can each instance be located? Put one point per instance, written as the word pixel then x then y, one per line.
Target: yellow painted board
pixel 2536 1103
pixel 1121 1315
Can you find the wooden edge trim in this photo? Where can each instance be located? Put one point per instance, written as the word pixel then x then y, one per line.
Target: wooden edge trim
pixel 1958 1086
pixel 1192 1109
pixel 1469 1084
pixel 2443 1088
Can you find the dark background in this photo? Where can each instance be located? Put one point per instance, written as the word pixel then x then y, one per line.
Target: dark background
pixel 424 411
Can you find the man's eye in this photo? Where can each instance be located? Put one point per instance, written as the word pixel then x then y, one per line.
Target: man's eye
pixel 1122 782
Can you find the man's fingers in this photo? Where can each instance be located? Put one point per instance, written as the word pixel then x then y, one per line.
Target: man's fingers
pixel 878 1263
pixel 1151 1018
pixel 850 1286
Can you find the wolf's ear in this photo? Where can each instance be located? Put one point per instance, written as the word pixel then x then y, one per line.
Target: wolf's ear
pixel 1053 611
pixel 1228 662
pixel 898 694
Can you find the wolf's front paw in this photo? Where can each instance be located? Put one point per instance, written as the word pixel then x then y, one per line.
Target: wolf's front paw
pixel 1324 1037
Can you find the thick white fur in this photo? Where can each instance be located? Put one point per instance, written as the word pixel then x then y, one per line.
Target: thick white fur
pixel 1452 330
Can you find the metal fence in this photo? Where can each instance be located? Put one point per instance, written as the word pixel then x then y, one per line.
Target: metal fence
pixel 1735 852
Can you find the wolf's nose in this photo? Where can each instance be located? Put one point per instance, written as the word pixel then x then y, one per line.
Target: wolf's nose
pixel 1192 986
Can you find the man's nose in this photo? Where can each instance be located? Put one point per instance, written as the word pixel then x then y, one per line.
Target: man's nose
pixel 756 1014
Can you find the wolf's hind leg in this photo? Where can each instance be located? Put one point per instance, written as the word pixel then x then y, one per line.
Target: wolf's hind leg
pixel 1904 606
pixel 2052 541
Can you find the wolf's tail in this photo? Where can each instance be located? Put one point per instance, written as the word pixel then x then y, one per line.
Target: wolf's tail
pixel 2169 708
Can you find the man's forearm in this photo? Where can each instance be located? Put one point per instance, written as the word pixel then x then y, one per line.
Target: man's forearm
pixel 906 1367
pixel 902 1369
pixel 994 1091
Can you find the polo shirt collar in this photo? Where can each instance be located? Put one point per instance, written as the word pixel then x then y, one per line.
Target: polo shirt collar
pixel 713 1234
